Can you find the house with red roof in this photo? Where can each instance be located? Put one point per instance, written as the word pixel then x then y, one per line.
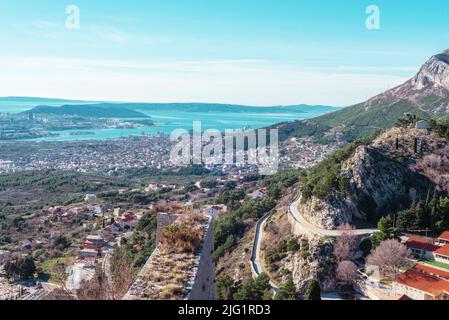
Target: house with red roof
pixel 422 248
pixel 128 220
pixel 443 239
pixel 422 283
pixel 95 242
pixel 437 272
pixel 442 254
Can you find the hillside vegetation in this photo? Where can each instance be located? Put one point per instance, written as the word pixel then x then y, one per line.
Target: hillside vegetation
pixel 371 178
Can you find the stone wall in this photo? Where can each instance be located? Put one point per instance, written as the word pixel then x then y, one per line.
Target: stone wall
pixel 204 285
pixel 163 220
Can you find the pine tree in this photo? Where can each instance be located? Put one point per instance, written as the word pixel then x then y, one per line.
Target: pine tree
pixel 313 291
pixel 288 291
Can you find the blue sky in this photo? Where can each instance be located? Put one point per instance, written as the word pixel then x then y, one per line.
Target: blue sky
pixel 234 51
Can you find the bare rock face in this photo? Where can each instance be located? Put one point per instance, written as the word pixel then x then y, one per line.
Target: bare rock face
pixel 314 262
pixel 371 173
pixel 329 213
pixel 428 90
pixel 376 183
pixel 435 72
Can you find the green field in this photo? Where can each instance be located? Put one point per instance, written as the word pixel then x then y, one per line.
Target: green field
pixel 437 264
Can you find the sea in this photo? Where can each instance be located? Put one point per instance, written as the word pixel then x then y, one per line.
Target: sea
pixel 167 121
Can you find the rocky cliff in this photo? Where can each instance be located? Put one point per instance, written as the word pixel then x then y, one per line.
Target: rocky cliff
pixel 381 178
pixel 426 95
pixel 428 90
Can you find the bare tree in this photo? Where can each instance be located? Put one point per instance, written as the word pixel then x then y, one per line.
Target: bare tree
pixel 60 292
pixel 390 256
pixel 112 279
pixel 122 272
pixel 346 244
pixel 346 272
pixel 97 288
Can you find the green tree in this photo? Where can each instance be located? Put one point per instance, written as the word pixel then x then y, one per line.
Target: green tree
pixel 23 268
pixel 287 291
pixel 258 289
pixel 263 287
pixel 385 225
pixel 247 291
pixel 61 243
pixel 225 287
pixel 313 291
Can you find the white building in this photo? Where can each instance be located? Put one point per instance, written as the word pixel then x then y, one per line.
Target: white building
pixel 90 197
pixel 442 254
pixel 423 283
pixel 258 194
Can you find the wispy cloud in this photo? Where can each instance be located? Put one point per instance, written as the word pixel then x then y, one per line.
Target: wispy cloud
pixel 377 69
pixel 256 82
pixel 118 36
pixel 45 25
pixel 92 33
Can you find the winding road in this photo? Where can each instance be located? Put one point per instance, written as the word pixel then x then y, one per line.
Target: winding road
pixel 302 226
pixel 256 261
pixel 306 227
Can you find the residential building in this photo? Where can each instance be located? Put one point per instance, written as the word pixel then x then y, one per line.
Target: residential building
pixel 128 220
pixel 443 238
pixel 90 197
pixel 421 285
pixel 153 187
pixel 442 254
pixel 214 210
pixel 258 194
pixel 89 253
pixel 118 212
pixel 30 245
pixel 96 242
pixel 423 248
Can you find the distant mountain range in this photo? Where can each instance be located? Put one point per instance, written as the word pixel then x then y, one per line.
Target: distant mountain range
pixel 89 111
pixel 113 109
pixel 216 107
pixel 426 95
pixel 34 100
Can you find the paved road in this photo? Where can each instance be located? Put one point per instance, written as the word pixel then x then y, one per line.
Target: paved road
pixel 305 228
pixel 308 228
pixel 256 261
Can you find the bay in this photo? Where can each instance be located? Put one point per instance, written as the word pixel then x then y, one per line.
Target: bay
pixel 167 121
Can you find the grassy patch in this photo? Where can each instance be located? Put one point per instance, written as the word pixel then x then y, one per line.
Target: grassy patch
pixel 437 264
pixel 48 266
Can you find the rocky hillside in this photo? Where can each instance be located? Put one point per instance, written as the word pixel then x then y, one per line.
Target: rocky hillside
pixel 377 178
pixel 426 95
pixel 301 258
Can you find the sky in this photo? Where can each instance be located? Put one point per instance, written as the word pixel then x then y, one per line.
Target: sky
pixel 253 52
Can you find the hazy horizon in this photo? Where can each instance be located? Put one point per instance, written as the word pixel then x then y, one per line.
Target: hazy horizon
pixel 227 52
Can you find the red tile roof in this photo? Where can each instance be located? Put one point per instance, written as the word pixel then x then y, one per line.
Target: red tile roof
pixel 444 235
pixel 421 244
pixel 432 271
pixel 423 282
pixel 443 251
